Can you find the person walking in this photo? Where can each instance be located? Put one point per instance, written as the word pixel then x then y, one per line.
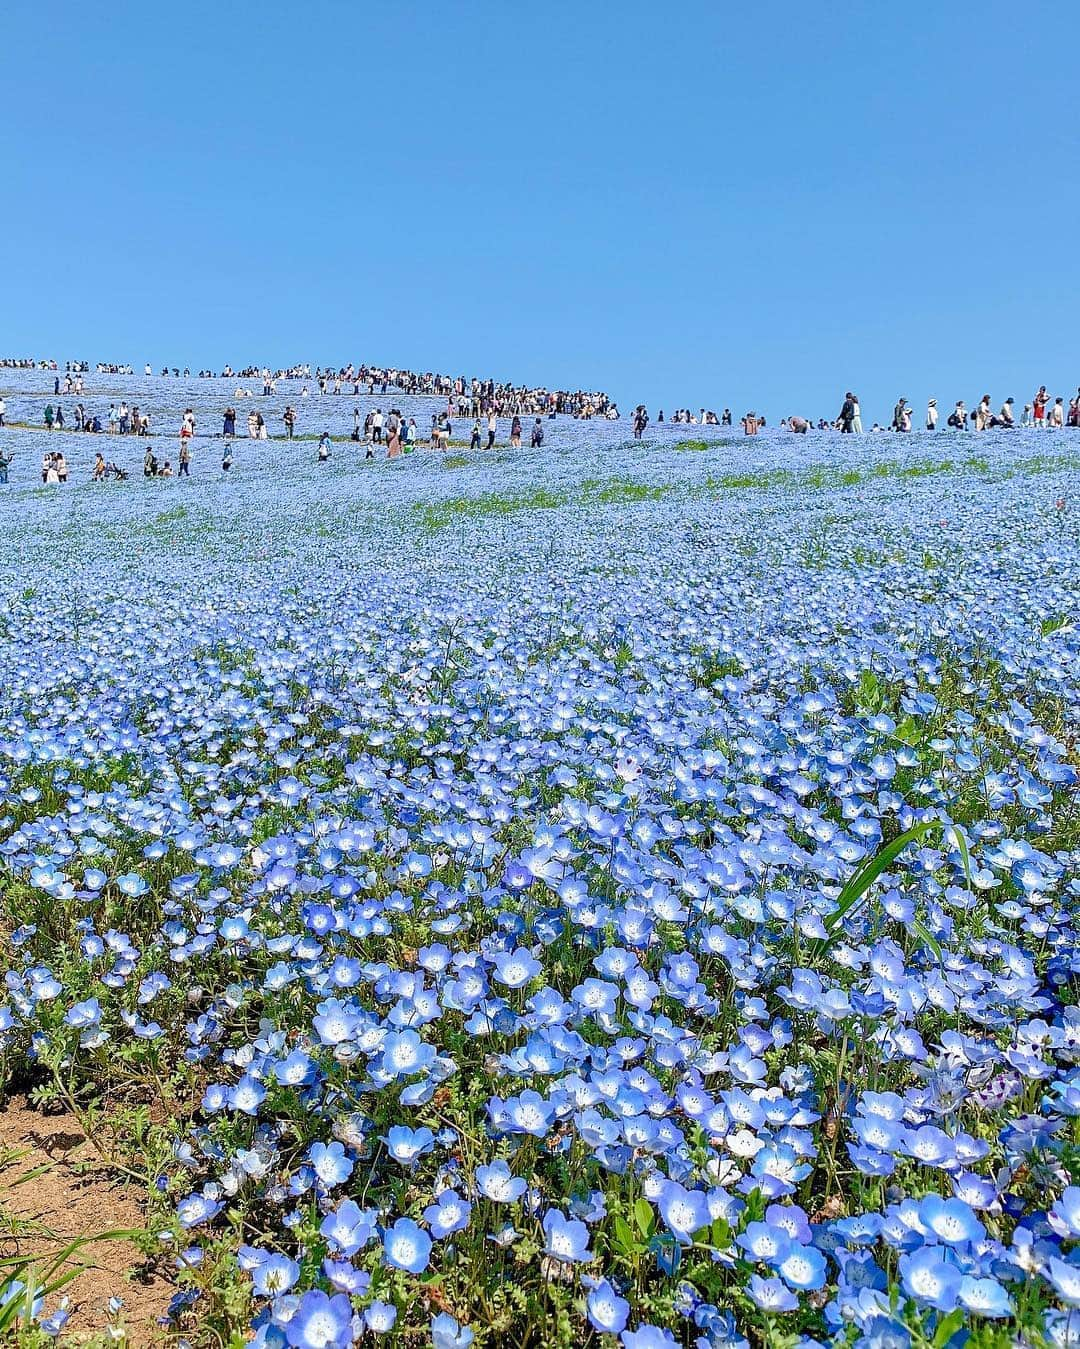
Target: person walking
pixel 898 415
pixel 931 415
pixel 184 470
pixel 289 418
pixel 492 425
pixel 515 432
pixel 5 464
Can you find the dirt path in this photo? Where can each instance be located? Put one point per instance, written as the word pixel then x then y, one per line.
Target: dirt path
pixel 67 1201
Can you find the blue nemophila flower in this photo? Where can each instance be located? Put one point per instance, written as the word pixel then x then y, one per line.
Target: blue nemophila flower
pixel 198 1208
pixel 565 1239
pixel 379 1317
pixel 84 1014
pixel 273 1274
pixel 802 1267
pixel 607 1311
pixel 497 1182
pixel 1064 1275
pixel 132 885
pixel 446 1333
pixel 684 1211
pixel 771 1295
pixel 405 1053
pixel 1064 1214
pixel 516 968
pixel 405 1145
pixel 331 1163
pixel 449 1214
pixel 984 1297
pixel 929 1276
pixel 648 1337
pixel 407 1246
pixel 348 1228
pixel 247 1095
pixel 950 1220
pixel 321 1322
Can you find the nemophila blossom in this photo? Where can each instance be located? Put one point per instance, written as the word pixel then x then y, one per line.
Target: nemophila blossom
pixel 606 1310
pixel 1064 1214
pixel 406 1246
pixel 198 1208
pixel 348 1228
pixel 497 1182
pixel 321 1322
pixel 331 1163
pixel 930 1277
pixel 565 1239
pixel 1064 1275
pixel 984 1297
pixel 405 1145
pixel 449 1214
pixel 446 1333
pixel 684 1211
pixel 274 1274
pixel 950 1220
pixel 405 1053
pixel 84 1014
pixel 648 1337
pixel 801 1267
pixel 379 1317
pixel 771 1295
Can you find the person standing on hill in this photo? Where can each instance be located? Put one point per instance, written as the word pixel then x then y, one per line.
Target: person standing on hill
pixel 856 421
pixel 1038 406
pixel 931 415
pixel 847 413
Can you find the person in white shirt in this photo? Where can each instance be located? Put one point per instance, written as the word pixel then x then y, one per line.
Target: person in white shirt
pixel 856 419
pixel 3 410
pixel 931 415
pixel 492 427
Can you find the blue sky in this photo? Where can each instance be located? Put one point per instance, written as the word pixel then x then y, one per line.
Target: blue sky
pixel 750 205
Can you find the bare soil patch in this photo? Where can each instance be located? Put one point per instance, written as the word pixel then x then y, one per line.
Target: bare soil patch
pixel 75 1196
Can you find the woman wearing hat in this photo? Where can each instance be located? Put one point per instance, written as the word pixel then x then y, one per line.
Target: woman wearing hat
pixel 931 415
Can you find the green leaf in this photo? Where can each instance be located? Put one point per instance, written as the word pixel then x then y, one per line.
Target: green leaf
pixel 926 936
pixel 864 876
pixel 646 1219
pixel 948 1326
pixel 623 1236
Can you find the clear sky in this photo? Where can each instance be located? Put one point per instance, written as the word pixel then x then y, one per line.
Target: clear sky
pixel 689 203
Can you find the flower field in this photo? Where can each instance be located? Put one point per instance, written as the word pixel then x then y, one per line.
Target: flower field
pixel 615 895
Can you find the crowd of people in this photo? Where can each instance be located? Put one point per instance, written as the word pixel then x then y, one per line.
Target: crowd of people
pixel 1042 412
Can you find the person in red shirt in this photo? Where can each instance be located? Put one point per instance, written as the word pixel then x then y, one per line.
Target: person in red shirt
pixel 1039 403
